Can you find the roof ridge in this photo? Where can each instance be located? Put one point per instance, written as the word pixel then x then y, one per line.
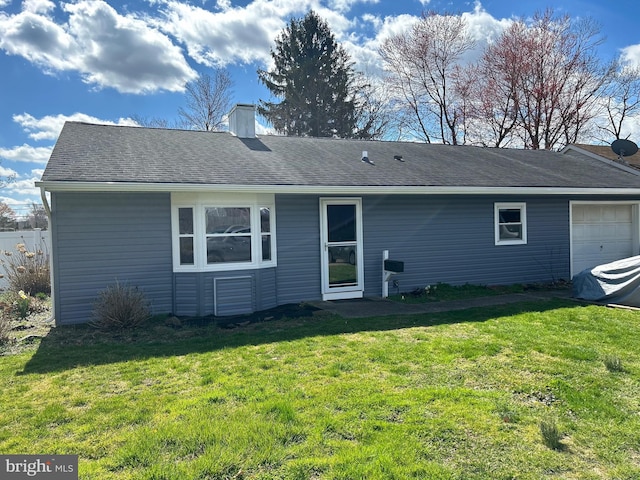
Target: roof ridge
pixel 141 127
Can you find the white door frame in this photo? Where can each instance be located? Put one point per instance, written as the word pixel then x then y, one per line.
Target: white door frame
pixel 355 290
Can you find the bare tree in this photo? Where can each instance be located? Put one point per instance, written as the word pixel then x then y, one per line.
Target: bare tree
pixel 37 216
pixel 208 100
pixel 490 95
pixel 151 122
pixel 546 80
pixel 422 64
pixel 7 217
pixel 372 112
pixel 622 100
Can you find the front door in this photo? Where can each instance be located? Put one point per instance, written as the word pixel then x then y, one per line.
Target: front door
pixel 341 248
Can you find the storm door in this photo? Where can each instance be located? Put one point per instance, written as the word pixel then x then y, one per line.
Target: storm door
pixel 341 248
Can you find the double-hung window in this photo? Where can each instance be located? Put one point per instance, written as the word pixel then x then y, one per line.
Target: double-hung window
pixel 510 221
pixel 222 232
pixel 266 238
pixel 185 235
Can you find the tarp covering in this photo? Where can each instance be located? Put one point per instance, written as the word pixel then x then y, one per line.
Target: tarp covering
pixel 615 282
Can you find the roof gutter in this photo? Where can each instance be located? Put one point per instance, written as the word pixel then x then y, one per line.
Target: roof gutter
pixel 70 186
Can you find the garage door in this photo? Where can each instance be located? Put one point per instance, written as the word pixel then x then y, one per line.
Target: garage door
pixel 601 234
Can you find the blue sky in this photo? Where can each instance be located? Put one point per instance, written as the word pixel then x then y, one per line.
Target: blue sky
pixel 106 61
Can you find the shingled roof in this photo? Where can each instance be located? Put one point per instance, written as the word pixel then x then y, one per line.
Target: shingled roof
pixel 101 154
pixel 606 152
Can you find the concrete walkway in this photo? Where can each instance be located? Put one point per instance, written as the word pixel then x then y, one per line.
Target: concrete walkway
pixel 378 307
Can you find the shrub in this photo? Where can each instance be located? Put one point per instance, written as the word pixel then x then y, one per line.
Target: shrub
pixel 613 363
pixel 120 307
pixel 27 270
pixel 551 436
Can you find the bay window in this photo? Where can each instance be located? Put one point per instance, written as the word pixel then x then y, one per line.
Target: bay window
pixel 222 232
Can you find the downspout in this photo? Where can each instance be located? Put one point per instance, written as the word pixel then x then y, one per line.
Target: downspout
pixel 47 209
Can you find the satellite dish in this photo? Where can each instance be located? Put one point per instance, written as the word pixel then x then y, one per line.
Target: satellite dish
pixel 624 148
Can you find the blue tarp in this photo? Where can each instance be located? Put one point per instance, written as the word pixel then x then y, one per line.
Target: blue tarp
pixel 615 282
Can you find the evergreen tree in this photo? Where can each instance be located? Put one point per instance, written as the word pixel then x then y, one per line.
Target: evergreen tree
pixel 314 78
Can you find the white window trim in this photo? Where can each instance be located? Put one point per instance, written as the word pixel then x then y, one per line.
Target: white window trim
pixel 199 202
pixel 175 221
pixel 522 206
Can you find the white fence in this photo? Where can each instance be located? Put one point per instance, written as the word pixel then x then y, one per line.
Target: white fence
pixel 33 240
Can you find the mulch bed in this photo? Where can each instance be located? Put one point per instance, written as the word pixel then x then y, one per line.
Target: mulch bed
pixel 290 310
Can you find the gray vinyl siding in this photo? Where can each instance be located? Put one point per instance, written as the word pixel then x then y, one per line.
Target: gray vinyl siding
pixel 298 239
pixel 450 239
pixel 101 238
pixel 446 239
pixel 98 238
pixel 237 292
pixel 187 294
pixel 234 295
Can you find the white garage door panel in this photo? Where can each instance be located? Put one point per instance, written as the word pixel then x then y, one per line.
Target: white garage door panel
pixel 601 234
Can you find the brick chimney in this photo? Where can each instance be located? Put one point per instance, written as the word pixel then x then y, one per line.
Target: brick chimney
pixel 242 120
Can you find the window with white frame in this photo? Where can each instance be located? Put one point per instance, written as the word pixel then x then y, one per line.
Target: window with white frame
pixel 228 234
pixel 223 232
pixel 510 221
pixel 185 235
pixel 265 233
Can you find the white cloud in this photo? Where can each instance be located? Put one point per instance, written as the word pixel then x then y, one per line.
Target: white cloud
pixel 21 192
pixel 8 172
pixel 36 38
pixel 49 126
pixel 631 128
pixel 106 48
pixel 223 4
pixel 483 28
pixel 38 6
pixel 26 153
pixel 232 35
pixel 364 50
pixel 14 203
pixel 631 55
pixel 124 52
pixel 386 27
pixel 23 186
pixel 346 5
pixel 138 52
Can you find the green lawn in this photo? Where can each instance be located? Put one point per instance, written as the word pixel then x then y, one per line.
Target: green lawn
pixel 459 395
